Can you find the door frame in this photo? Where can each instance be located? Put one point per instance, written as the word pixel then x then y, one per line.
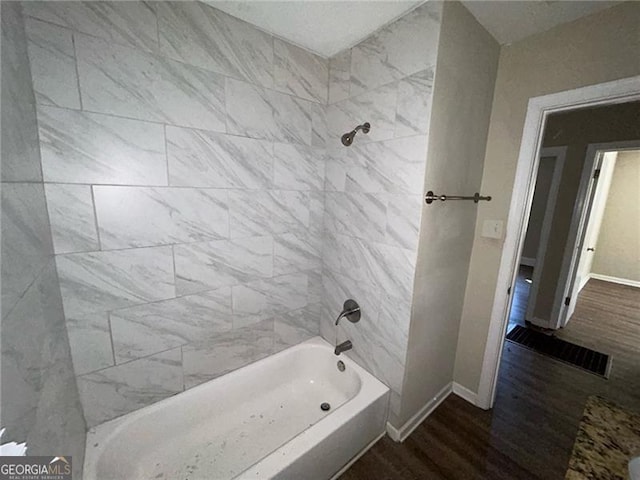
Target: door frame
pixel 560 153
pixel 539 108
pixel 579 220
pixel 599 201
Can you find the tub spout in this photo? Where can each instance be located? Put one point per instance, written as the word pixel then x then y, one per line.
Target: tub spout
pixel 343 347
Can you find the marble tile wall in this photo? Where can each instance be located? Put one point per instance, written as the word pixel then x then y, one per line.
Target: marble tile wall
pixel 373 189
pixel 39 394
pixel 183 157
pixel 203 212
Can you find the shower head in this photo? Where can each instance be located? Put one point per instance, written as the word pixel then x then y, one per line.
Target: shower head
pixel 347 138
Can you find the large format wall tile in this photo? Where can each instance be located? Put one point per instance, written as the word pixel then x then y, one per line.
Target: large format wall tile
pixel 73 223
pixel 26 239
pixel 414 104
pixel 299 72
pixel 382 266
pixel 118 390
pixel 267 212
pixel 382 346
pixel 60 422
pixel 90 341
pixel 359 215
pixel 392 53
pixel 207 136
pixel 378 107
pixel 20 156
pixel 340 76
pixel 392 166
pixel 379 339
pixel 144 216
pixel 292 117
pixel 210 265
pixel 314 287
pixel 129 23
pixel 403 221
pixel 53 64
pixel 249 112
pixel 338 288
pixel 136 84
pixel 298 167
pixel 319 127
pixel 80 147
pixel 198 158
pixel 392 268
pixel 197 34
pixel 398 164
pixel 260 299
pixel 297 326
pixel 101 281
pixel 260 113
pixel 39 396
pixel 155 327
pixel 30 332
pixel 228 351
pixel 296 252
pixel 316 213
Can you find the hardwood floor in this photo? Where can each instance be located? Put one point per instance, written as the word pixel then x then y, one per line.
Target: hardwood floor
pixel 530 432
pixel 607 319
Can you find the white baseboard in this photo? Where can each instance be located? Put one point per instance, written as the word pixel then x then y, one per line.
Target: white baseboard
pixel 539 322
pixel 621 281
pixel 465 393
pixel 529 262
pixel 400 434
pixel 357 457
pixel 584 282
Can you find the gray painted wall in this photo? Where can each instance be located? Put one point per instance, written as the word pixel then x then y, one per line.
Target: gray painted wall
pixel 40 402
pixel 457 140
pixel 618 247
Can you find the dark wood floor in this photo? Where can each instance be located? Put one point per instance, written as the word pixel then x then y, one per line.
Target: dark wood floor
pixel 530 432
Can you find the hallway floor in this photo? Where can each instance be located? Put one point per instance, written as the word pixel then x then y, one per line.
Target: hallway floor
pixel 530 432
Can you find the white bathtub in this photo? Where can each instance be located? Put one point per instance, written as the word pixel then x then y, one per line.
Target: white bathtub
pixel 261 421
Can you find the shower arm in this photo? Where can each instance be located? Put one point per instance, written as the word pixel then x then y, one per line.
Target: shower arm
pixel 365 127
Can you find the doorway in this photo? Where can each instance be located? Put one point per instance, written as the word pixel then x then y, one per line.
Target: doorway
pixel 547 183
pixel 538 115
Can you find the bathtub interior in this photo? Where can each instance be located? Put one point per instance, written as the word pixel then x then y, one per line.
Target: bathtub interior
pixel 223 427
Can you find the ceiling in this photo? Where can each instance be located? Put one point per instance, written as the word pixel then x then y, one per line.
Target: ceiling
pixel 510 21
pixel 324 27
pixel 328 27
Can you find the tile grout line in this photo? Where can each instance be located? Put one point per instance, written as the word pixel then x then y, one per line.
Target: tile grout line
pixel 226 132
pixel 270 318
pixel 95 219
pixel 163 245
pixel 116 365
pixel 113 348
pixel 175 275
pixel 184 387
pixel 77 69
pixel 166 153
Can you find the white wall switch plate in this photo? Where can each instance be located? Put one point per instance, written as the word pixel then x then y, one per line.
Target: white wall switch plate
pixel 492 229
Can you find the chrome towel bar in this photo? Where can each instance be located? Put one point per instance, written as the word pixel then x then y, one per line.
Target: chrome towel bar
pixel 430 197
